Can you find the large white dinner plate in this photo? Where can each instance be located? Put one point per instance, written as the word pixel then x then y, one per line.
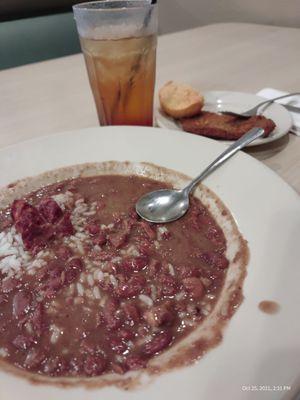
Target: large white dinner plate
pixel 217 101
pixel 257 349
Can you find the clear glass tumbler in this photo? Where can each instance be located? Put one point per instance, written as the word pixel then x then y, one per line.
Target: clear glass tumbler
pixel 118 40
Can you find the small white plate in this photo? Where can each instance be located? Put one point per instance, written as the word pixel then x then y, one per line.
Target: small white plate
pixel 259 355
pixel 217 101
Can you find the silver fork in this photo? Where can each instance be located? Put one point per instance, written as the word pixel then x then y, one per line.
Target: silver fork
pixel 254 111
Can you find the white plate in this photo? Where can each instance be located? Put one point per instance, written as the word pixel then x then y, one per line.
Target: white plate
pixel 257 349
pixel 237 102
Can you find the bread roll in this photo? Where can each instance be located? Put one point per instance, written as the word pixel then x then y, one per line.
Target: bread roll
pixel 179 100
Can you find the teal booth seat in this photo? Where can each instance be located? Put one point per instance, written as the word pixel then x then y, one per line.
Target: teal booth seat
pixel 35 39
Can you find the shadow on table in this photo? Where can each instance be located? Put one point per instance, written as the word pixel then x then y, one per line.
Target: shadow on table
pixel 268 150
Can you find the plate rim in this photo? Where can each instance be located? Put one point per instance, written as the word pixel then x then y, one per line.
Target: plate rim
pixel 242 154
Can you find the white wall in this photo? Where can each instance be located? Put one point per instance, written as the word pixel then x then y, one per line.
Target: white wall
pixel 178 15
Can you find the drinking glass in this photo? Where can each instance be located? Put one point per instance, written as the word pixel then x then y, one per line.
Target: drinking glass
pixel 118 39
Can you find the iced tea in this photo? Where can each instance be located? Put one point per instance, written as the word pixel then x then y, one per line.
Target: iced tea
pixel 122 78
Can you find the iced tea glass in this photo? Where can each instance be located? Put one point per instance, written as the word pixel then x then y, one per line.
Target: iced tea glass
pixel 118 40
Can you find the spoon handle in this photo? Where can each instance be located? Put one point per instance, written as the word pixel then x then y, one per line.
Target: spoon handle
pixel 247 138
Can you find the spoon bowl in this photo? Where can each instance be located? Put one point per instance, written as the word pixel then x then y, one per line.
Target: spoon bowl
pixel 164 205
pixel 167 205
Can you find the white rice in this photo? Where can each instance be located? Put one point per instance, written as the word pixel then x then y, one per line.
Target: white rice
pixel 96 292
pixel 113 280
pixel 146 299
pixel 89 294
pixel 116 259
pixel 3 352
pixel 80 248
pixel 98 275
pixel 179 296
pixel 90 280
pixel 190 308
pixel 71 290
pixel 161 230
pixel 130 251
pixel 79 202
pixel 79 300
pixel 81 235
pixel 63 199
pixel 205 311
pixel 171 269
pixel 14 257
pixel 153 292
pixel 89 213
pixel 28 327
pixel 156 244
pixel 118 358
pixel 56 332
pixel 80 289
pixel 210 296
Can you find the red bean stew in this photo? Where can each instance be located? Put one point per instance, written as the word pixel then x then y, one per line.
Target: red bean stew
pixel 88 288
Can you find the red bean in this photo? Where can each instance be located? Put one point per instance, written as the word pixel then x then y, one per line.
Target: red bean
pixel 17 208
pixel 158 316
pixel 93 228
pixel 64 252
pixel 37 319
pixel 154 267
pixel 100 205
pixel 112 321
pixel 103 255
pixel 132 313
pixel 51 365
pixel 194 287
pixel 3 298
pixel 54 366
pixel 119 368
pixel 100 239
pixel 34 358
pixel 144 247
pixel 117 345
pixel 215 235
pixel 9 284
pixel 215 259
pixel 132 287
pixel 157 344
pixel 73 269
pixel 135 264
pixel 187 272
pixel 168 284
pixel 135 362
pixel 94 365
pixel 21 303
pixel 22 342
pixel 118 239
pixel 125 334
pixel 149 230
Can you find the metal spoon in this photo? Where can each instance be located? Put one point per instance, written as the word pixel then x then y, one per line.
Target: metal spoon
pixel 167 205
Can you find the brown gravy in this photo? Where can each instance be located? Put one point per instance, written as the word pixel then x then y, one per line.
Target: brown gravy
pixel 97 289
